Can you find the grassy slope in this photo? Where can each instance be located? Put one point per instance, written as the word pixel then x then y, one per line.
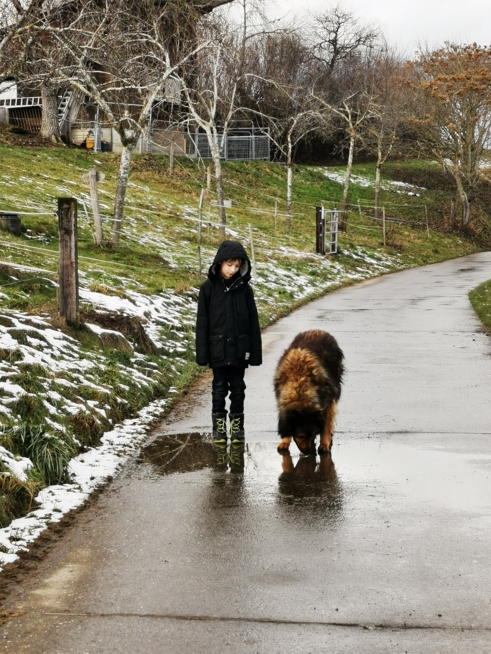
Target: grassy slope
pixel 159 257
pixel 480 299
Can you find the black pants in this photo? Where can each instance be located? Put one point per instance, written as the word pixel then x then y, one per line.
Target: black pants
pixel 225 379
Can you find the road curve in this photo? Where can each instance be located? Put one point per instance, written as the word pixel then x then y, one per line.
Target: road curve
pixel 383 548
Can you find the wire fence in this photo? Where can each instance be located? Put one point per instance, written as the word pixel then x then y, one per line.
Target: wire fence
pixel 240 217
pixel 261 212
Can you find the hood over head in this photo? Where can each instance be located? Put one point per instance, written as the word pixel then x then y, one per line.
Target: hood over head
pixel 231 250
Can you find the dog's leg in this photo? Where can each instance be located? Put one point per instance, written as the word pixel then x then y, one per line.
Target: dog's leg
pixel 287 462
pixel 326 436
pixel 284 444
pixel 326 470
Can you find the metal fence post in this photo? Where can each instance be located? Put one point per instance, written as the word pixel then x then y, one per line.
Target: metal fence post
pixel 320 230
pixel 333 231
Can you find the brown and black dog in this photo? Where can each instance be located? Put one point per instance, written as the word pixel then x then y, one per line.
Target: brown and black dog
pixel 307 385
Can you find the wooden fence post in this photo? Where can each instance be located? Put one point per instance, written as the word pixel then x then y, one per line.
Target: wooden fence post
pixel 171 158
pixel 253 257
pixel 91 178
pixel 68 268
pixel 383 224
pixel 94 199
pixel 200 215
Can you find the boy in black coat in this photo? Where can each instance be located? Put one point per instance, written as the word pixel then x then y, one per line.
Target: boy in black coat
pixel 228 336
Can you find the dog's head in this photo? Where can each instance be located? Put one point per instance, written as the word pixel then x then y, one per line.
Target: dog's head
pixel 303 426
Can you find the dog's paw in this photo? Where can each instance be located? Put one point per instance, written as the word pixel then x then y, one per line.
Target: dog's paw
pixel 283 448
pixel 324 450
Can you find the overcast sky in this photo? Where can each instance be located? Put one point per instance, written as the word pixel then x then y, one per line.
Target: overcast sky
pixel 407 22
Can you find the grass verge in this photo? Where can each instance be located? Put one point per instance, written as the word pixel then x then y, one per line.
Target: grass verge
pixel 480 299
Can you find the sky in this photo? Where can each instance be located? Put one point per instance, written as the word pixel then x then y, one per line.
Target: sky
pixel 407 24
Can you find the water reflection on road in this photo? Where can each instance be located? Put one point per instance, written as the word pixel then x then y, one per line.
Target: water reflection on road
pixel 302 488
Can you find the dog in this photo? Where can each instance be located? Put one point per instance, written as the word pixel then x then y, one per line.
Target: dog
pixel 307 386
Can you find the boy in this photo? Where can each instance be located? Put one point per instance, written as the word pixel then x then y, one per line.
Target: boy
pixel 228 336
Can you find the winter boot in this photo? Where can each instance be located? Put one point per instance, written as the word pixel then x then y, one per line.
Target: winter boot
pixel 237 434
pixel 219 421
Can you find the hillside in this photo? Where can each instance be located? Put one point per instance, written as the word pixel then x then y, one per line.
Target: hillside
pixel 76 402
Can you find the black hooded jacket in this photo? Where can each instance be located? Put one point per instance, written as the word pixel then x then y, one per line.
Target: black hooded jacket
pixel 227 326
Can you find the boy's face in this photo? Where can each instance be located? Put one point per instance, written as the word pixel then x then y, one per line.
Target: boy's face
pixel 229 267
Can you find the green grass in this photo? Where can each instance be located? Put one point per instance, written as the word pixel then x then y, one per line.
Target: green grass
pixel 480 299
pixel 49 453
pixel 16 497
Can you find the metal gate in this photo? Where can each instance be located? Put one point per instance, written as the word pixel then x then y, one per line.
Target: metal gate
pixel 326 232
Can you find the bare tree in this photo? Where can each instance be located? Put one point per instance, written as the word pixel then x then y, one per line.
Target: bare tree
pixel 338 37
pixel 123 66
pixel 210 94
pixel 353 112
pixel 389 114
pixel 221 86
pixel 35 55
pixel 286 136
pixel 278 82
pixel 16 33
pixel 453 117
pixel 344 48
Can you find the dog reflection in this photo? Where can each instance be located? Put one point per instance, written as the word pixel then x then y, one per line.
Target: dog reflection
pixel 311 485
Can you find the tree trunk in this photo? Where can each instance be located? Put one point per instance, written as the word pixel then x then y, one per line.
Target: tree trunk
pixel 50 128
pixel 378 171
pixel 451 220
pixel 347 177
pixel 377 188
pixel 215 153
pixel 124 170
pixel 463 198
pixel 466 209
pixel 75 106
pixel 289 181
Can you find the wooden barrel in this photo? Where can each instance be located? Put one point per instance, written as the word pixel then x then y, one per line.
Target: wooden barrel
pixel 10 222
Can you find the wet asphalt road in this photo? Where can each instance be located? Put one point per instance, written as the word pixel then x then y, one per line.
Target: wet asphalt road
pixel 383 548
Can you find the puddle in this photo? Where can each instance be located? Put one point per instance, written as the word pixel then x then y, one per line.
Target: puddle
pixel 253 474
pixel 363 476
pixel 179 453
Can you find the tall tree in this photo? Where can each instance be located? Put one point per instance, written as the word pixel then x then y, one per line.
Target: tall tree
pixel 337 37
pixel 344 48
pixel 389 115
pixel 349 109
pixel 16 33
pixel 453 86
pixel 124 66
pixel 210 100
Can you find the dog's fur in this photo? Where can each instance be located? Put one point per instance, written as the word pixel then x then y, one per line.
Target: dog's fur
pixel 307 385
